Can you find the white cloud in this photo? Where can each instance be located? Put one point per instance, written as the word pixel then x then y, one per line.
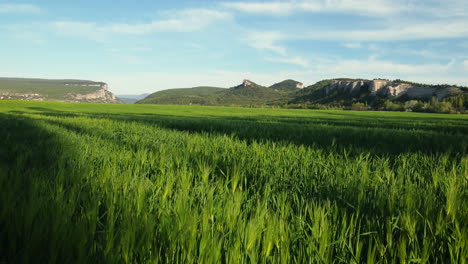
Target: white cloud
pixel 26 33
pixel 352 45
pixel 273 8
pixel 182 21
pixel 435 30
pixel 433 8
pixel 272 41
pixel 292 60
pixel 19 8
pixel 364 7
pixel 396 32
pixel 465 64
pixel 374 68
pixel 30 37
pixel 439 9
pixel 266 41
pixel 80 29
pixel 437 53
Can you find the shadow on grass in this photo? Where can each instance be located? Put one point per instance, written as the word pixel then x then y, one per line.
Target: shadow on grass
pixel 357 141
pixel 35 224
pixel 30 231
pixel 358 134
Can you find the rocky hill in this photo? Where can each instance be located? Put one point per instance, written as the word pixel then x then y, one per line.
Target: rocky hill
pixel 203 95
pixel 131 98
pixel 250 93
pixel 288 86
pixel 392 89
pixel 246 93
pixel 347 91
pixel 56 90
pixel 343 93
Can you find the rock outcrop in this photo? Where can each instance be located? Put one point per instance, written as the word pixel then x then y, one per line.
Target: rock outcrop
pixel 100 96
pixel 56 90
pixel 345 86
pixel 390 89
pixel 246 83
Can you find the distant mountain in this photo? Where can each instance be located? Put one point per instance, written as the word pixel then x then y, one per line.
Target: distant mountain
pixel 287 86
pixel 131 98
pixel 65 90
pixel 203 95
pixel 246 93
pixel 343 93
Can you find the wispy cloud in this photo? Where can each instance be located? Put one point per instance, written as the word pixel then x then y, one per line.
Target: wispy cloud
pixel 368 39
pixel 438 53
pixel 298 61
pixel 79 29
pixel 27 33
pixel 266 41
pixel 439 9
pixel 182 21
pixel 19 8
pixel 352 45
pixel 465 64
pixel 376 67
pixel 433 8
pixel 269 8
pixel 446 29
pixel 363 7
pixel 430 30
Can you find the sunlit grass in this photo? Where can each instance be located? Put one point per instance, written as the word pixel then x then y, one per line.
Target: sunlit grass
pixel 100 183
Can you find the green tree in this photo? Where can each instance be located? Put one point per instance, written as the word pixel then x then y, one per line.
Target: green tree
pixel 391 106
pixel 359 107
pixel 444 107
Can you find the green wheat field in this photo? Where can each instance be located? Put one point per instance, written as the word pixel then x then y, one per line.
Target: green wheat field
pixel 96 183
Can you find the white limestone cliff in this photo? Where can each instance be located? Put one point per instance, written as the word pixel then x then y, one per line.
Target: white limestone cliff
pixel 389 89
pixel 346 86
pixel 101 95
pixel 246 83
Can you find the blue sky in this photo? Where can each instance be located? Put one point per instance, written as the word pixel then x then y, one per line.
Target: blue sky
pixel 145 46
